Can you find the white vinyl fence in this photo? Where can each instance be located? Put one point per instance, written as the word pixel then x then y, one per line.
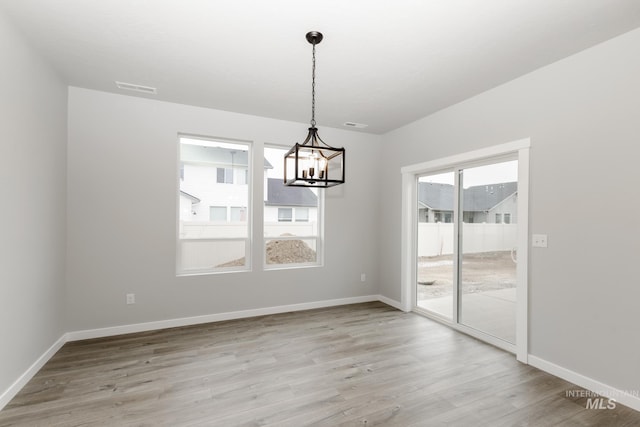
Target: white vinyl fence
pixel 437 238
pixel 196 254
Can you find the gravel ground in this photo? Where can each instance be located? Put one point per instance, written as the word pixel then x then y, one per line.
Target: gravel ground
pixel 480 272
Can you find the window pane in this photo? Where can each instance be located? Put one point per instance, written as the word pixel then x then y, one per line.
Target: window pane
pixel 238 214
pixel 284 214
pixel 218 213
pixel 302 214
pixel 212 206
pixel 228 176
pixel 225 176
pixel 289 212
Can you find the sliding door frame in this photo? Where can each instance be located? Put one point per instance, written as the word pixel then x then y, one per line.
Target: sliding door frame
pixel 410 174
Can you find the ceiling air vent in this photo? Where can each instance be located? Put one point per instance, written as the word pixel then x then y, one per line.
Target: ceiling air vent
pixel 355 125
pixel 137 88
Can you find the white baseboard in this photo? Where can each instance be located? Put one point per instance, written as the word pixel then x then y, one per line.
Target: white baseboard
pixel 625 398
pixel 9 393
pixel 208 318
pixel 620 396
pixel 393 303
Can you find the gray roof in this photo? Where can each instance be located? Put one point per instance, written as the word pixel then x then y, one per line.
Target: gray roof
pixel 280 195
pixel 480 198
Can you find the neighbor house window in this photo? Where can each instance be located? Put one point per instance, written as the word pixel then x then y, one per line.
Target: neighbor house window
pixel 224 176
pixel 302 214
pixel 213 224
pixel 292 218
pixel 498 218
pixel 218 213
pixel 285 214
pixel 507 218
pixel 238 214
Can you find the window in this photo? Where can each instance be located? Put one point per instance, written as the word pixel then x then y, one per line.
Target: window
pixel 292 218
pixel 224 176
pixel 238 214
pixel 218 213
pixel 285 214
pixel 507 218
pixel 213 224
pixel 498 218
pixel 302 214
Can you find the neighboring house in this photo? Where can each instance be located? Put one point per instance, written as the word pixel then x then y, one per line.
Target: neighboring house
pixel 289 204
pixel 213 188
pixel 187 205
pixel 214 181
pixel 495 203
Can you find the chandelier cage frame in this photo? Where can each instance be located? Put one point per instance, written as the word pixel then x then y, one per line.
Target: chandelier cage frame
pixel 314 163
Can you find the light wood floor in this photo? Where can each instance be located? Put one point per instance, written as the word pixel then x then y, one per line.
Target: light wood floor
pixel 361 365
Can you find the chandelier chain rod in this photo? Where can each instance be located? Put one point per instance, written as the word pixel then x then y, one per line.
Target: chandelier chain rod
pixel 313 87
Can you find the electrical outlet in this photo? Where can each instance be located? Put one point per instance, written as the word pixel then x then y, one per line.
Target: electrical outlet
pixel 131 298
pixel 539 240
pixel 363 277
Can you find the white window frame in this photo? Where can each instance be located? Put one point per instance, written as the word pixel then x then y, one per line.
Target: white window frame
pixel 319 238
pixel 248 240
pixel 520 149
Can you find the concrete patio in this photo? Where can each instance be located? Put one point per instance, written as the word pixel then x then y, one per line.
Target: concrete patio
pixel 491 311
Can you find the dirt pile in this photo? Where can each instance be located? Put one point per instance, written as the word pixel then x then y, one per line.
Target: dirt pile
pixel 282 252
pixel 289 252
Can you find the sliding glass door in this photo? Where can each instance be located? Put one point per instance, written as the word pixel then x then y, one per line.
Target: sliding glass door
pixel 467 246
pixel 435 228
pixel 487 248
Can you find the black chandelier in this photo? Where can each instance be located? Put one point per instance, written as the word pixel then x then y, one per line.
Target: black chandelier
pixel 314 163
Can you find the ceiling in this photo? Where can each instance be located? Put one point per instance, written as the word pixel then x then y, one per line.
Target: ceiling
pixel 381 63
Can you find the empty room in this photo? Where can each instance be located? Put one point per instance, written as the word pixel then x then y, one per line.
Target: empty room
pixel 282 213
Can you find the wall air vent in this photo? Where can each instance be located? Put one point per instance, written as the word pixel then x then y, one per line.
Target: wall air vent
pixel 355 125
pixel 137 88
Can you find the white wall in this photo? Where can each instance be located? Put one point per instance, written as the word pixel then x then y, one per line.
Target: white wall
pixel 582 116
pixel 123 152
pixel 33 104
